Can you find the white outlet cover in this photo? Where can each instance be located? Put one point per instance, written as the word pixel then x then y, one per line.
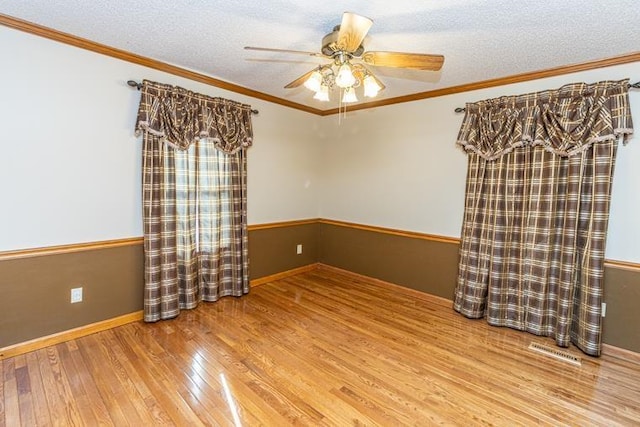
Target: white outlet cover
pixel 76 295
pixel 299 249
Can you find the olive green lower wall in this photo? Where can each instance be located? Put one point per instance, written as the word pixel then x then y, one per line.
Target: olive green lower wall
pixel 621 326
pixel 273 250
pixel 424 265
pixel 35 291
pixel 430 266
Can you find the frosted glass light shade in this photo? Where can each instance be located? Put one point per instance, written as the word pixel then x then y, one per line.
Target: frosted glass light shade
pixel 314 81
pixel 349 95
pixel 345 77
pixel 322 94
pixel 371 87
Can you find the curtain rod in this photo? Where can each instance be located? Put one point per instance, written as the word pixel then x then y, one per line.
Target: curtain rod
pixel 138 86
pixel 635 85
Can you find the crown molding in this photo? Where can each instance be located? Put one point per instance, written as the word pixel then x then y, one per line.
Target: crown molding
pixel 500 81
pixel 70 39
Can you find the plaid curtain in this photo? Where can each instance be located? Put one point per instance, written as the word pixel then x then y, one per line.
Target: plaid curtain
pixel 194 198
pixel 536 209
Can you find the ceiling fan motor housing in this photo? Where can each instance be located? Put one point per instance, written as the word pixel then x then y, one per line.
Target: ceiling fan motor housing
pixel 330 47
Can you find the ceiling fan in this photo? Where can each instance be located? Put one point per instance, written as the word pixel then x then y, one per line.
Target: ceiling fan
pixel 349 64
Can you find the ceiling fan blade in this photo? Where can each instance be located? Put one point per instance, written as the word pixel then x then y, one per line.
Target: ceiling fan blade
pixel 298 52
pixel 417 61
pixel 300 80
pixel 353 29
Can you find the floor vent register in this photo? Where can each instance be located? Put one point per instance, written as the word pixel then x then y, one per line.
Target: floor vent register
pixel 555 353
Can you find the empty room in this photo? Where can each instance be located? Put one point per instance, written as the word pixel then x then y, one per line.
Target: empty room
pixel 335 213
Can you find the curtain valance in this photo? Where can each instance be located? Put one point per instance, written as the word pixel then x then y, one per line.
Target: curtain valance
pixel 180 117
pixel 565 121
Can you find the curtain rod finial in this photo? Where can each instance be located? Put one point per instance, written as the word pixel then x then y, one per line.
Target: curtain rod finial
pixel 135 84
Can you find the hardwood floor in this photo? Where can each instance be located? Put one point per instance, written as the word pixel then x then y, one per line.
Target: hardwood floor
pixel 320 348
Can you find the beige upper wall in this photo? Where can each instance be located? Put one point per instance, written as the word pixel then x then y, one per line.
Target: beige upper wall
pixel 71 166
pixel 397 166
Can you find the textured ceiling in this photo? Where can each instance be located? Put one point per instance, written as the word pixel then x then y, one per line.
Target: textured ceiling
pixel 480 39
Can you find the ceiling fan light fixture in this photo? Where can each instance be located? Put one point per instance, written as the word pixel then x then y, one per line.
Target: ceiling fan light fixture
pixel 349 96
pixel 322 94
pixel 344 45
pixel 371 86
pixel 345 78
pixel 314 82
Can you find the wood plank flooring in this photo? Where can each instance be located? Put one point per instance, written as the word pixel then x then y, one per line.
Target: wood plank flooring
pixel 320 348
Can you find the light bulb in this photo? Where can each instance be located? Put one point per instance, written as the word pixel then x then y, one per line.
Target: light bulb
pixel 349 95
pixel 314 81
pixel 322 94
pixel 371 86
pixel 345 77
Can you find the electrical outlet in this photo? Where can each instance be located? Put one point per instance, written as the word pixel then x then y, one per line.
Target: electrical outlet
pixel 76 295
pixel 299 249
pixel 604 309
